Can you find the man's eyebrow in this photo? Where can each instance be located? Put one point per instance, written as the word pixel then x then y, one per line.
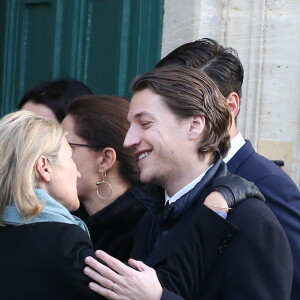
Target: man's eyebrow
pixel 142 114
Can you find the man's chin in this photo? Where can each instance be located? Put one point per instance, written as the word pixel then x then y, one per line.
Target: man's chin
pixel 150 179
pixel 145 179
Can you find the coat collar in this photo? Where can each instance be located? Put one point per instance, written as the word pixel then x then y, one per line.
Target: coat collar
pixel 237 160
pixel 199 192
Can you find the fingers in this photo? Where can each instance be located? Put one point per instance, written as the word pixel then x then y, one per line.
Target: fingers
pixel 114 263
pixel 140 266
pixel 96 276
pixel 128 284
pixel 93 263
pixel 99 272
pixel 137 265
pixel 109 294
pixel 102 285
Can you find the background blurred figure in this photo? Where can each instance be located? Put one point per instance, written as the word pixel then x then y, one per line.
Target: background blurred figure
pixel 51 99
pixel 223 65
pixel 42 245
pixel 111 200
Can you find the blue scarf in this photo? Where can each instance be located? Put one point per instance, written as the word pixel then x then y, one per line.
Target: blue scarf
pixel 52 212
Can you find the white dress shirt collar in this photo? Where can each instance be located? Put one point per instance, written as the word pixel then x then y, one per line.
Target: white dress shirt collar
pixel 235 145
pixel 185 189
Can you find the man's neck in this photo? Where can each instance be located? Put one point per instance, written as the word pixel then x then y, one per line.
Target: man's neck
pixel 233 131
pixel 191 172
pixel 185 189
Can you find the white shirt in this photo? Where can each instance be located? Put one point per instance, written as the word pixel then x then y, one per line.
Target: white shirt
pixel 185 189
pixel 235 145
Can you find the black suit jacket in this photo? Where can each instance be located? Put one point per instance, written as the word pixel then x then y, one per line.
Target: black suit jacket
pixel 186 255
pixel 44 261
pixel 256 264
pixel 282 196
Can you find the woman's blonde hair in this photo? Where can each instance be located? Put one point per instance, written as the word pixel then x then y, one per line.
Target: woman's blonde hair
pixel 24 138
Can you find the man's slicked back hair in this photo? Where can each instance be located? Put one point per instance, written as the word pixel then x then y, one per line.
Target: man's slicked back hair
pixel 222 64
pixel 187 92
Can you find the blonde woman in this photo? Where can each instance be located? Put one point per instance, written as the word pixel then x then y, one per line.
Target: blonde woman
pixel 42 245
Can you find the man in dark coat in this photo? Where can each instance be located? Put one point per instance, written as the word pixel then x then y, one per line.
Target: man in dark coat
pixel 178 132
pixel 223 65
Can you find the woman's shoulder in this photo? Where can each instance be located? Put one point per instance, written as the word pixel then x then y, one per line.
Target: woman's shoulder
pixel 56 247
pixel 48 231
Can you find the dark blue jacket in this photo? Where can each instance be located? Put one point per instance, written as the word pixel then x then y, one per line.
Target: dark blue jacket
pixel 281 194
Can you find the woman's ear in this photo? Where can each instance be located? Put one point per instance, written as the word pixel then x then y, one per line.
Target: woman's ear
pixel 43 169
pixel 196 127
pixel 107 159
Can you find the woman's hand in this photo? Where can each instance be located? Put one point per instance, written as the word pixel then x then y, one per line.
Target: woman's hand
pixel 120 282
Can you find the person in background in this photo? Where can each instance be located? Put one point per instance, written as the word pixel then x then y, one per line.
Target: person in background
pixel 179 132
pixel 42 245
pixel 223 65
pixel 51 99
pixel 109 190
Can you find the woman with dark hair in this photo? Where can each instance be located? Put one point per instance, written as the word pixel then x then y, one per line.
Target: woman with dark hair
pixel 109 192
pixel 52 98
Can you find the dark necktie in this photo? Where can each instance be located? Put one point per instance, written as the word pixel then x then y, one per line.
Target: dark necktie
pixel 166 211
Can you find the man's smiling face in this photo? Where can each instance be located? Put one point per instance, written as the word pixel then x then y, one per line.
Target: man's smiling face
pixel 157 137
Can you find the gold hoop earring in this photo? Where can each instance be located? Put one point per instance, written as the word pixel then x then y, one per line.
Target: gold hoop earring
pixel 103 181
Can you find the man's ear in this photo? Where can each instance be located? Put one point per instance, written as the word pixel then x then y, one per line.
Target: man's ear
pixel 196 127
pixel 107 160
pixel 43 169
pixel 233 102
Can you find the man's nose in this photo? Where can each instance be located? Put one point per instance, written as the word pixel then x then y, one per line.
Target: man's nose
pixel 132 138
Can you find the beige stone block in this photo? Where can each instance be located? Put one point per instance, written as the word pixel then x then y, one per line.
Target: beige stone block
pixel 278 151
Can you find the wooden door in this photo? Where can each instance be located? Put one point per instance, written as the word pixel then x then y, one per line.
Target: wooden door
pixel 104 43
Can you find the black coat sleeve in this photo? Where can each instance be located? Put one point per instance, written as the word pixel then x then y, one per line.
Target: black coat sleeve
pixel 74 246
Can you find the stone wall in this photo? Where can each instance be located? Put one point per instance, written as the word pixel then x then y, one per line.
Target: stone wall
pixel 266 35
